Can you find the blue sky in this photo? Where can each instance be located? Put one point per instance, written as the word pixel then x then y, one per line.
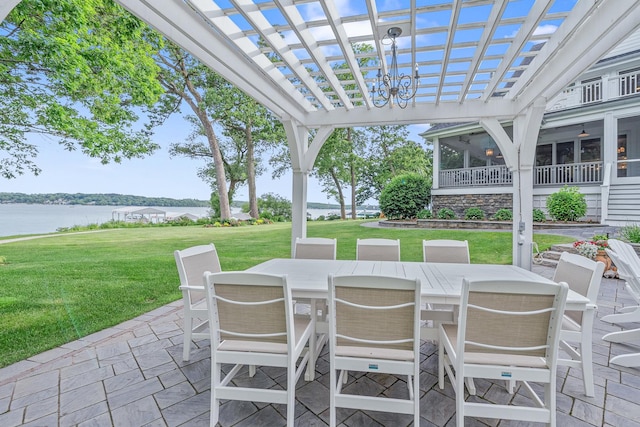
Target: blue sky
pixel 157 175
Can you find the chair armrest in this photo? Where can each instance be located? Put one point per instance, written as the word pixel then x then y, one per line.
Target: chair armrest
pixel 191 288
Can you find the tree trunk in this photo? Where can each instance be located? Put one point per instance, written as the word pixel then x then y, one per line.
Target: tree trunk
pixel 221 183
pixel 251 174
pixel 354 214
pixel 343 211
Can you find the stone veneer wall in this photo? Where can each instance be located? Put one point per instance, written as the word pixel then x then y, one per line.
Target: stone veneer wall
pixel 489 203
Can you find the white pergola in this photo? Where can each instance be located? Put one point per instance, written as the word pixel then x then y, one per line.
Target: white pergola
pixel 475 60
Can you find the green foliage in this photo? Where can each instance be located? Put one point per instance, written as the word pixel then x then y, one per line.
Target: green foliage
pixel 474 213
pixel 79 71
pixel 567 204
pixel 274 207
pixel 405 196
pixel 538 215
pixel 425 214
pixel 503 215
pixel 630 233
pixel 446 213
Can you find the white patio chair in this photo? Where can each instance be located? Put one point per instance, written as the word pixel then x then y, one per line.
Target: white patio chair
pixel 192 263
pixel 374 328
pixel 507 330
pixel 255 325
pixel 628 264
pixel 315 248
pixel 631 335
pixel 443 250
pixel 584 277
pixel 446 251
pixel 378 249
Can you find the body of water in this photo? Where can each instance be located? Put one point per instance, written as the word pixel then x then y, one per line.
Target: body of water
pixel 16 219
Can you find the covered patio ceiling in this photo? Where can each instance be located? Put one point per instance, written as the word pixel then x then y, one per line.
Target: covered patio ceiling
pixel 476 58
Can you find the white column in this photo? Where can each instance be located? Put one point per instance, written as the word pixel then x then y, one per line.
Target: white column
pixel 523 217
pixel 6 7
pixel 298 206
pixel 436 164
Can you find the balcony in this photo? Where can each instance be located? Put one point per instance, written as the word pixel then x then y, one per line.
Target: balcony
pixel 606 88
pixel 577 173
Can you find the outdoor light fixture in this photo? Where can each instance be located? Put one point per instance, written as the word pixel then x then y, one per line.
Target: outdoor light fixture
pixel 488 152
pixel 394 87
pixel 584 133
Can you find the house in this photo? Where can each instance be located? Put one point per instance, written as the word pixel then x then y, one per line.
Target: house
pixel 589 138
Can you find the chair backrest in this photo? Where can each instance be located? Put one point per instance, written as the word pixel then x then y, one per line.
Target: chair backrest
pixel 378 249
pixel 453 251
pixel 625 251
pixel 315 248
pixel 513 322
pixel 375 312
pixel 252 309
pixel 626 272
pixel 583 276
pixel 192 264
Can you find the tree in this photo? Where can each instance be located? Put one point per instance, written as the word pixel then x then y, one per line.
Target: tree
pixel 405 196
pixel 274 206
pixel 390 154
pixel 78 71
pixel 251 126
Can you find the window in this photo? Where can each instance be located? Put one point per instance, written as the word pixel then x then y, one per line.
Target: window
pixel 544 155
pixel 590 150
pixel 565 153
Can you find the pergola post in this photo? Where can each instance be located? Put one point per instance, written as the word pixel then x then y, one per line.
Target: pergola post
pixel 303 155
pixel 519 156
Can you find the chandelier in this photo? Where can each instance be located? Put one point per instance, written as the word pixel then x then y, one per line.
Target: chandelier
pixel 394 87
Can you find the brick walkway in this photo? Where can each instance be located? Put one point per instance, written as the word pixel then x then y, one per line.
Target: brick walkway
pixel 133 375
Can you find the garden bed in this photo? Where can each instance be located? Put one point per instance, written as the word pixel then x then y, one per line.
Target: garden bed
pixel 471 224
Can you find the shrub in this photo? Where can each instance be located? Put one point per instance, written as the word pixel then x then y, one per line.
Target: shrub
pixel 474 213
pixel 425 214
pixel 630 233
pixel 320 218
pixel 567 204
pixel 504 215
pixel 538 215
pixel 446 213
pixel 405 196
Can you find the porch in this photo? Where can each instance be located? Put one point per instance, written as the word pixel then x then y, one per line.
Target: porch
pixel 500 175
pixel 133 375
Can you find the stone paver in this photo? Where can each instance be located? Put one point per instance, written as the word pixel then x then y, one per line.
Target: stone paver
pixel 133 375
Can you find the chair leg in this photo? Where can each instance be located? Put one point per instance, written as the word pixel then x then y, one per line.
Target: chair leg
pixel 586 360
pixel 215 402
pixel 441 363
pixel 188 328
pixel 459 399
pixel 291 390
pixel 333 383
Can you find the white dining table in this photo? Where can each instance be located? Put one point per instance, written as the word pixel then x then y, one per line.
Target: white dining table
pixel 441 283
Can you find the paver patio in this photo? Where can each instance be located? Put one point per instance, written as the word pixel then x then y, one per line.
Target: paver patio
pixel 133 375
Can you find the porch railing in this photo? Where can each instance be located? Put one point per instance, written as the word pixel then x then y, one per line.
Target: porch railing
pixel 578 173
pixel 604 89
pixel 475 177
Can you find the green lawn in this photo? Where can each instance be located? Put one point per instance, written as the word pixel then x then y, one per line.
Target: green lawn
pixel 58 289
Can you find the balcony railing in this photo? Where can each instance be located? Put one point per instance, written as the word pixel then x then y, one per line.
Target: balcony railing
pixel 605 89
pixel 475 177
pixel 578 173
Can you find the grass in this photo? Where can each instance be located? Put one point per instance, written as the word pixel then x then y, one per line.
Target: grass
pixel 58 289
